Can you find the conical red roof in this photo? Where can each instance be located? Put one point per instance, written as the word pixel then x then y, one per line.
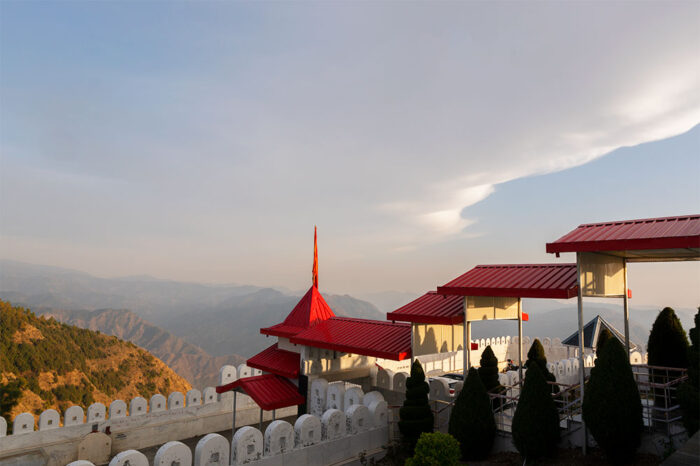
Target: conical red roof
pixel 310 310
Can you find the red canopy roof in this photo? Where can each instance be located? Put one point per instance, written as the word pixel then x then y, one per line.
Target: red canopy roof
pixel 431 308
pixel 312 308
pixel 277 361
pixel 269 391
pixel 359 336
pixel 665 233
pixel 556 281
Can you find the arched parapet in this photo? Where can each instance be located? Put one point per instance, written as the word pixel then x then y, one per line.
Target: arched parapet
pixel 244 371
pixel 279 438
pixel 49 419
pixel 209 395
pixel 193 398
pixel 589 361
pixel 560 374
pixel 246 446
pixel 74 416
pixel 439 390
pixel 138 406
pixel 176 400
pixel 333 424
pixel 227 374
pixel 635 357
pixel 319 389
pixel 384 378
pixel 173 453
pixel 157 403
pixel 81 463
pixel 353 396
pixel 512 377
pixel 23 423
pixel 212 450
pixel 515 340
pixel 508 340
pixel 96 412
pixel 482 343
pixel 307 431
pixel 256 371
pixel 551 367
pixel 399 382
pixel 129 458
pixel 335 395
pixel 357 419
pixel 527 341
pixel 378 413
pixel 372 396
pixel 3 427
pixel 502 379
pixel 117 409
pixel 556 342
pixel 547 342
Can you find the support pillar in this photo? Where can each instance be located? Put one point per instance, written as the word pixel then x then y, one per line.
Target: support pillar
pixel 465 362
pixel 581 369
pixel 260 424
pixel 469 348
pixel 520 340
pixel 626 309
pixel 412 346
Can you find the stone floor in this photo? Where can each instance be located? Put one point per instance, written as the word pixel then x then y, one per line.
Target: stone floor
pixel 688 454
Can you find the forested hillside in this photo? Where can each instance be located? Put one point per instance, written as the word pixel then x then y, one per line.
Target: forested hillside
pixel 47 364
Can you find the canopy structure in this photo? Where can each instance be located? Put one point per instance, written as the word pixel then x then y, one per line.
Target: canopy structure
pixel 496 292
pixel 359 336
pixel 431 308
pixel 311 309
pixel 269 391
pixel 277 361
pixel 591 333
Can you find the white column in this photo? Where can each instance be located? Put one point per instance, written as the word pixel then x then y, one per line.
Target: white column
pixel 465 362
pixel 626 309
pixel 581 369
pixel 520 339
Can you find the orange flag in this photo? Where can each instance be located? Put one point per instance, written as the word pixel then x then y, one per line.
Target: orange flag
pixel 314 270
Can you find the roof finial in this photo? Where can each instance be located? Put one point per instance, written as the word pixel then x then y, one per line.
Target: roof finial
pixel 314 270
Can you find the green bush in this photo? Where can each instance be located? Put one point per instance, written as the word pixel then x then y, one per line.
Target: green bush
pixel 415 416
pixel 536 420
pixel 471 420
pixel 488 370
pixel 535 355
pixel 436 449
pixel 603 336
pixel 667 347
pixel 10 393
pixel 689 391
pixel 612 408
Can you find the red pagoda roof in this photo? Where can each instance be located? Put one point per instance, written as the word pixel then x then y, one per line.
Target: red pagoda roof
pixel 359 336
pixel 557 281
pixel 277 361
pixel 431 308
pixel 311 309
pixel 678 236
pixel 269 391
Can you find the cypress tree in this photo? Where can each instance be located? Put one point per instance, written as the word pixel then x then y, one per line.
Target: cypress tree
pixel 667 347
pixel 471 420
pixel 536 420
pixel 415 416
pixel 612 407
pixel 689 391
pixel 603 336
pixel 535 355
pixel 488 370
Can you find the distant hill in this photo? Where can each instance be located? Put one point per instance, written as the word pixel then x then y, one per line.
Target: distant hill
pixel 55 365
pixel 188 360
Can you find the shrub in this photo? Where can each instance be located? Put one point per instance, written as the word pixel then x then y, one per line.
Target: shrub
pixel 10 393
pixel 471 420
pixel 536 421
pixel 667 347
pixel 415 416
pixel 436 449
pixel 603 336
pixel 612 408
pixel 488 370
pixel 689 391
pixel 535 355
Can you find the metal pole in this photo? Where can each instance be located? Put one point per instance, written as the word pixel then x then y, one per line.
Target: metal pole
pixel 412 351
pixel 260 424
pixel 520 341
pixel 465 363
pixel 273 414
pixel 469 348
pixel 233 429
pixel 626 309
pixel 581 369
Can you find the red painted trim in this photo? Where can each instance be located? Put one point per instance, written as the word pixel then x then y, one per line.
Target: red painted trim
pixel 509 292
pixel 425 319
pixel 228 387
pixel 396 356
pixel 678 242
pixel 474 346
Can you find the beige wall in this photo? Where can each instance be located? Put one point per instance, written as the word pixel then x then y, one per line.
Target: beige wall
pixel 431 339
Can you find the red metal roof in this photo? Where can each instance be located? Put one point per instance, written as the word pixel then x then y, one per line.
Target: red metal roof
pixel 644 234
pixel 359 336
pixel 269 391
pixel 312 308
pixel 518 281
pixel 277 361
pixel 431 308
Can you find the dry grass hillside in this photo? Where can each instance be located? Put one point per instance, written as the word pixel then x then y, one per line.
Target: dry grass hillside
pixel 46 364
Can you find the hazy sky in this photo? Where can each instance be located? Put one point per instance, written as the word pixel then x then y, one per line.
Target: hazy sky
pixel 203 140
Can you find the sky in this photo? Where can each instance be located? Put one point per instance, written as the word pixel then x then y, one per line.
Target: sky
pixel 202 141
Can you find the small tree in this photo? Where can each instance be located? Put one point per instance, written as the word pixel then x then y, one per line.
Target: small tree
pixel 603 336
pixel 415 416
pixel 689 391
pixel 10 393
pixel 612 408
pixel 536 420
pixel 667 347
pixel 436 449
pixel 535 355
pixel 471 420
pixel 488 370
